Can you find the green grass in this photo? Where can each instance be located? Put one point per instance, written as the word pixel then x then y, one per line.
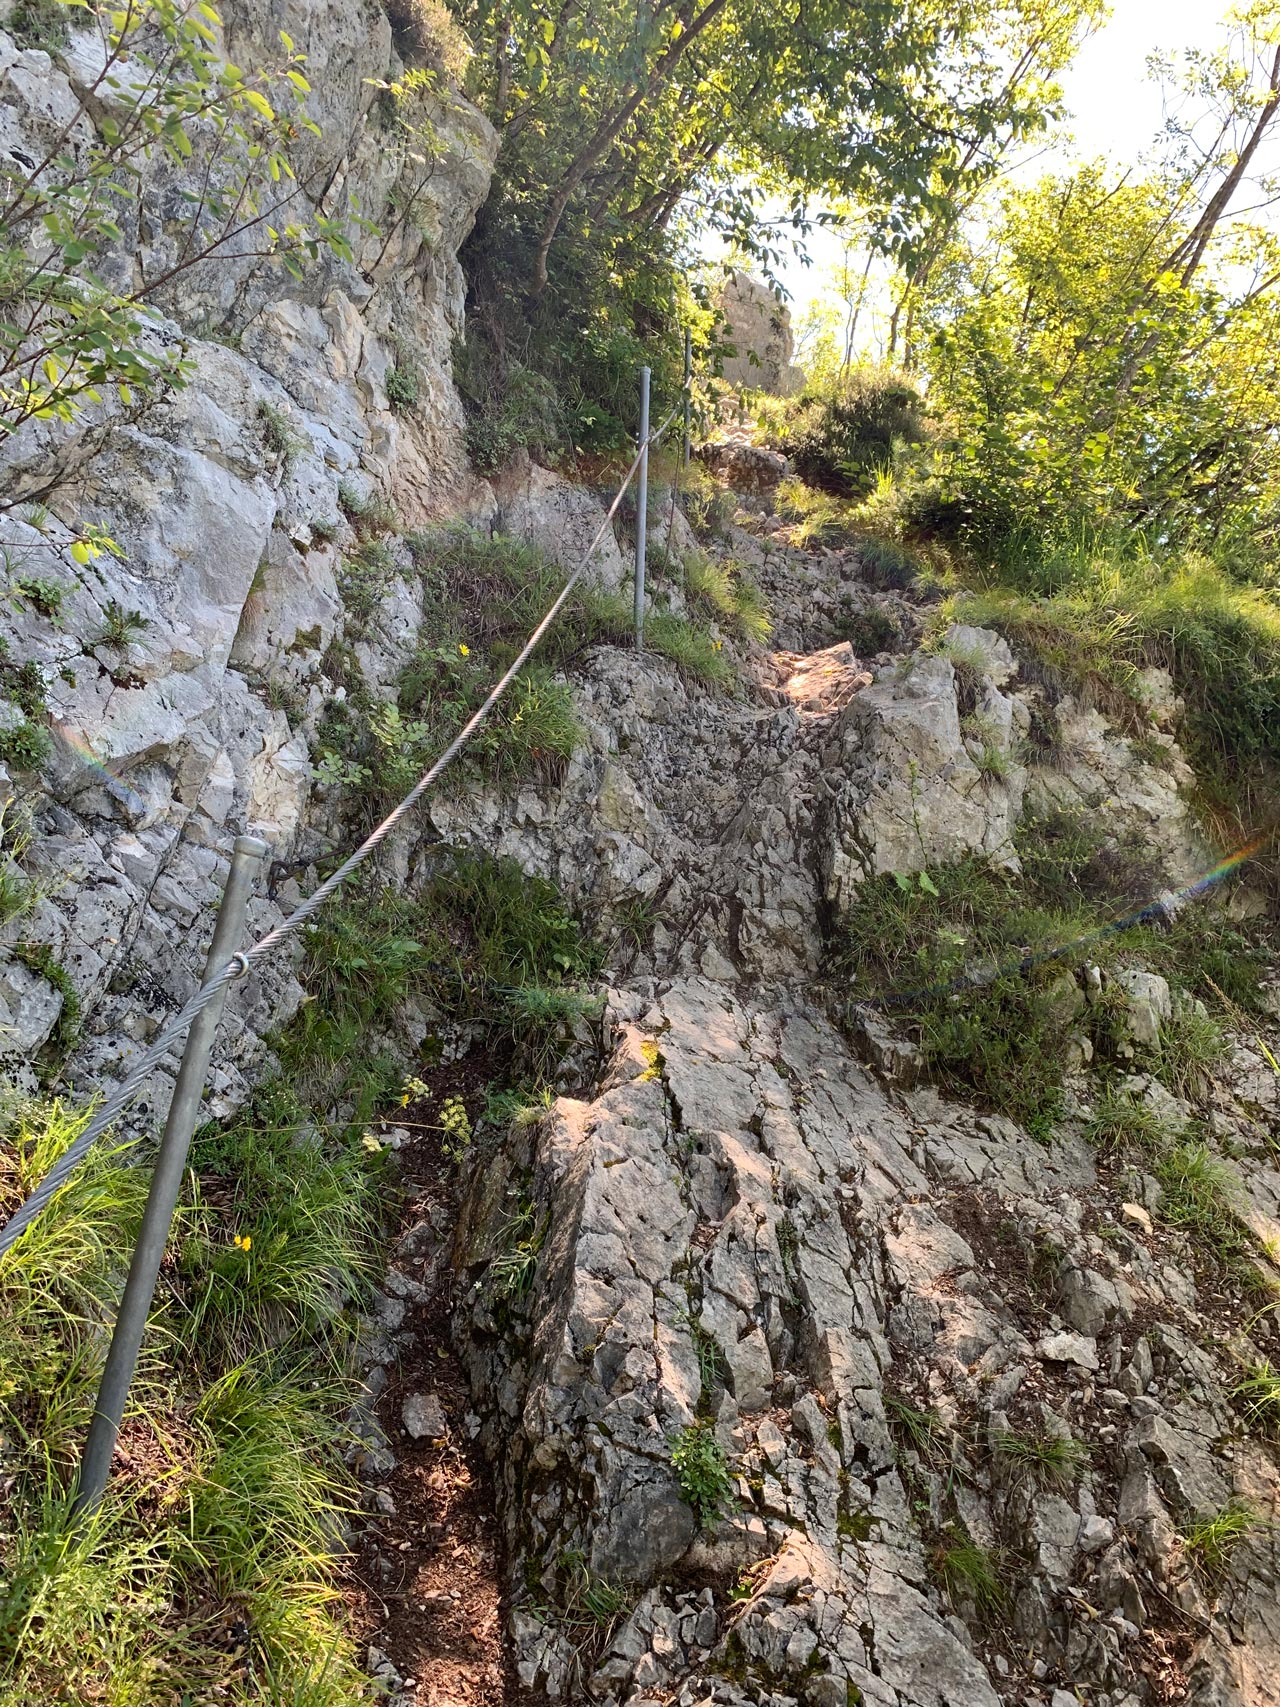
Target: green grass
pixel 367 512
pixel 483 597
pixel 702 1470
pixel 712 1366
pixel 39 23
pixel 227 1504
pixel 1259 1396
pixel 39 957
pixel 721 589
pixel 1103 618
pixel 309 1211
pixel 954 960
pixel 977 962
pixel 916 1430
pixel 697 655
pixel 969 1574
pixel 479 941
pixel 1121 1124
pixel 1050 1460
pixel 1191 1045
pixel 1211 1539
pixel 1200 1193
pixel 512 1268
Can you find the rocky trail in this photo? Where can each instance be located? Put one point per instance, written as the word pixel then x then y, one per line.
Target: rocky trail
pixel 747 1223
pixel 753 1369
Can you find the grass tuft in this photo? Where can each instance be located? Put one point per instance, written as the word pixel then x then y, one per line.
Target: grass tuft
pixel 1211 1539
pixel 969 1574
pixel 1050 1460
pixel 1259 1395
pixel 1200 1193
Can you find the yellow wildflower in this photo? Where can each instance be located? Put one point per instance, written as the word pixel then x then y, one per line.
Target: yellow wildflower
pixel 242 1241
pixel 465 650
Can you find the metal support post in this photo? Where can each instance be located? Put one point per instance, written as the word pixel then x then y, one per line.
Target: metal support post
pixel 642 507
pixel 166 1182
pixel 688 395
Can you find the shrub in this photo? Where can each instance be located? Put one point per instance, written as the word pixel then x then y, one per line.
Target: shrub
pixel 402 387
pixel 702 1470
pixel 886 565
pixel 841 437
pixel 507 410
pixel 279 434
pixel 38 591
pixel 869 631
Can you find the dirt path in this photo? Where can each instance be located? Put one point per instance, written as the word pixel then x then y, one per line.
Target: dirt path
pixel 427 1578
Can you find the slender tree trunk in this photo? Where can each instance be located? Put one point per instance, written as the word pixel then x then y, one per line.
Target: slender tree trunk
pixel 608 130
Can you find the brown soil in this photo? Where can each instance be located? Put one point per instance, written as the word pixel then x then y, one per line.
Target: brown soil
pixel 427 1578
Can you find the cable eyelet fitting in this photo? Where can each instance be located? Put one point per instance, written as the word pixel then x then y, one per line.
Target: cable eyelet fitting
pixel 238 965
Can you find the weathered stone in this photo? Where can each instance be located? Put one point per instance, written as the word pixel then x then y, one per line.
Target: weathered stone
pixel 1069 1348
pixel 424 1417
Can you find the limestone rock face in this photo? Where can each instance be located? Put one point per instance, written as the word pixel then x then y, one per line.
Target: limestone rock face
pixel 543 508
pixel 195 719
pixel 759 327
pixel 741 1225
pixel 918 779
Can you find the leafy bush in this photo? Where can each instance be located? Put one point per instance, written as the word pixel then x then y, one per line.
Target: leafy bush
pixel 842 437
pixel 703 1471
pixel 402 387
pixel 89 326
pixel 508 410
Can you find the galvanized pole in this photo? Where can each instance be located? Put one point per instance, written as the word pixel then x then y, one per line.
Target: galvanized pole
pixel 166 1182
pixel 642 507
pixel 688 395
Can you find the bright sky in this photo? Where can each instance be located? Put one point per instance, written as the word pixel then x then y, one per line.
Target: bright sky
pixel 1115 108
